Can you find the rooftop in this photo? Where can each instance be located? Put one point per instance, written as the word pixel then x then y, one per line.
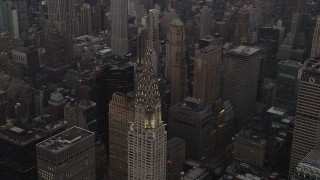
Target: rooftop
pixel 176 21
pixel 175 141
pixel 245 50
pixel 277 111
pixel 65 139
pixel 291 63
pixel 196 173
pixel 193 104
pixel 312 64
pixel 209 48
pixel 312 160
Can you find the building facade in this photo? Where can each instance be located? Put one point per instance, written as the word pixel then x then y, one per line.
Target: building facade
pixel 176 156
pixel 306 135
pixel 241 79
pixel 205 21
pixel 192 121
pixel 289 73
pixel 121 112
pixel 176 68
pixel 147 137
pixel 67 155
pixel 119 25
pixel 249 149
pixel 207 73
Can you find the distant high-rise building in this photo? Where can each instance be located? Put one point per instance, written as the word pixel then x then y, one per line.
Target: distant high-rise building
pixel 6 19
pixel 62 16
pixel 121 112
pixel 309 167
pixel 97 18
pixel 288 76
pixel 315 50
pixel 119 25
pixel 306 135
pixel 241 79
pixel 3 107
pixel 205 21
pixel 242 33
pixel 142 41
pixel 207 65
pixel 147 137
pixel 85 20
pixel 67 155
pixel 153 30
pixel 176 68
pixel 192 121
pixel 176 155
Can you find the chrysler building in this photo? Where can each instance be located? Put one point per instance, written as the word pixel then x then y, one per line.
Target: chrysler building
pixel 147 137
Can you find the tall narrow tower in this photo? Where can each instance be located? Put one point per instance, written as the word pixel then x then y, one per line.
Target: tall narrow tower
pixel 205 21
pixel 176 66
pixel 147 137
pixel 62 17
pixel 119 25
pixel 153 30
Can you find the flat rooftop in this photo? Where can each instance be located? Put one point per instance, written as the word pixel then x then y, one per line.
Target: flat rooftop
pixel 209 48
pixel 245 50
pixel 291 63
pixel 174 142
pixel 196 173
pixel 277 111
pixel 65 139
pixel 193 104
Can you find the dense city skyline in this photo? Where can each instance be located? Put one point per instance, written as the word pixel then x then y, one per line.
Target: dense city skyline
pixel 159 89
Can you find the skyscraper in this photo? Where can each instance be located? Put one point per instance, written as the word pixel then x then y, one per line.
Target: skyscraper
pixel 242 33
pixel 241 79
pixel 315 50
pixel 6 21
pixel 85 20
pixel 62 17
pixel 121 112
pixel 119 25
pixel 192 120
pixel 67 155
pixel 306 134
pixel 147 138
pixel 178 77
pixel 205 21
pixel 153 30
pixel 207 73
pixel 288 76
